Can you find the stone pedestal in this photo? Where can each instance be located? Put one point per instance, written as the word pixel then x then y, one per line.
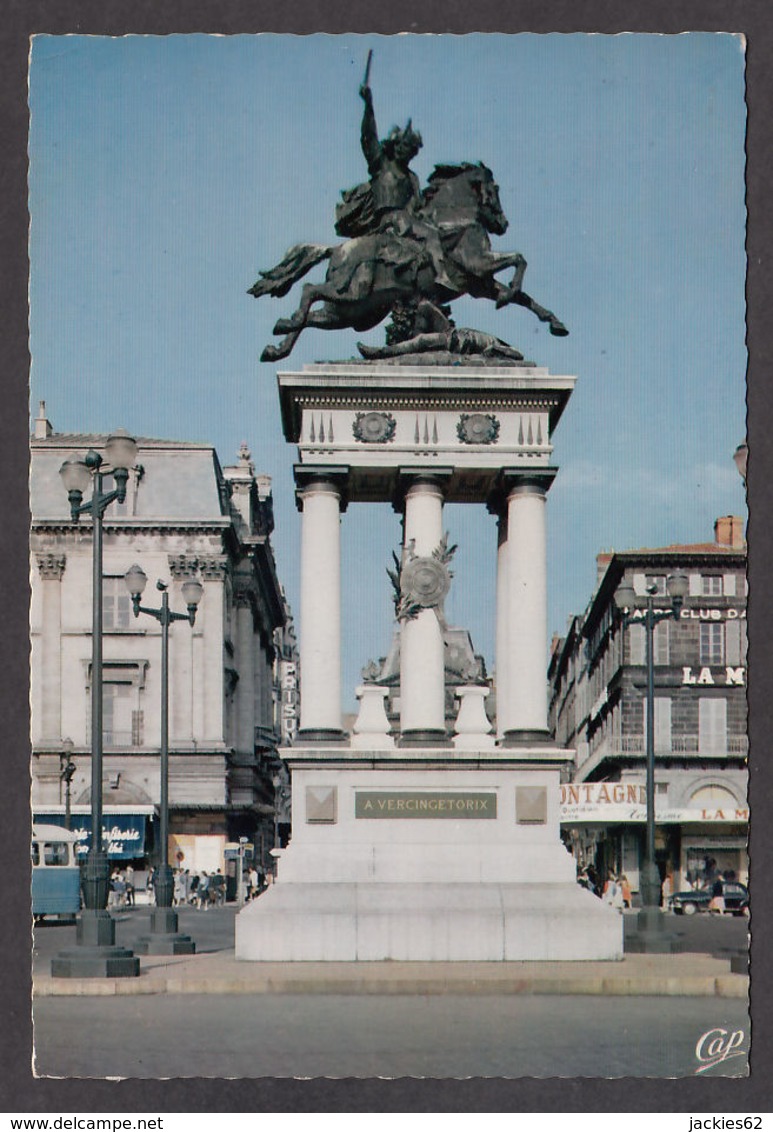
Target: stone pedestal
pixel 428 860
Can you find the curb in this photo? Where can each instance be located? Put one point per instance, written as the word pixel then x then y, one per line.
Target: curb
pixel 706 986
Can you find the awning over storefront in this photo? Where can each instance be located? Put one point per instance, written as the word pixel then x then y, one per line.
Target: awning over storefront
pixel 123 829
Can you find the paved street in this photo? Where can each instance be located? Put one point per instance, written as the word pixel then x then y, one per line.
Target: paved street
pixel 373 1035
pixel 365 1035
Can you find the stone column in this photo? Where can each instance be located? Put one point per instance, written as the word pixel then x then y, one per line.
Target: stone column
pixel 247 645
pixel 320 497
pixel 422 683
pixel 522 700
pixel 502 642
pixel 49 665
pixel 210 617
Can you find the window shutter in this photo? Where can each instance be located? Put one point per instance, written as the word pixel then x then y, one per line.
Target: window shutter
pixel 733 642
pixel 712 726
pixel 636 644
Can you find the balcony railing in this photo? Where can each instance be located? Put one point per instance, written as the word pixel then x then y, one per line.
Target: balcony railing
pixel 677 745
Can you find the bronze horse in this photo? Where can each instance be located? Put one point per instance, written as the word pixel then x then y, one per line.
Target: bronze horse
pixel 368 275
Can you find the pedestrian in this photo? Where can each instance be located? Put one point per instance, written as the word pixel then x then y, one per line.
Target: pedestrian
pixel 625 887
pixel 253 883
pixel 178 891
pixel 593 878
pixel 151 885
pixel 717 902
pixel 202 891
pixel 128 877
pixel 217 888
pixel 667 889
pixel 613 893
pixel 119 888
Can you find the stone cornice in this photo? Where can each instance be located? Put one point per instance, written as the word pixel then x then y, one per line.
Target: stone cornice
pixel 367 386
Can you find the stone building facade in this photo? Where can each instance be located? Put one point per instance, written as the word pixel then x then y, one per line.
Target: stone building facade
pixel 184 516
pixel 598 707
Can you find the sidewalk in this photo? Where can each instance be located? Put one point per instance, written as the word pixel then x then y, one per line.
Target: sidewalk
pixel 219 972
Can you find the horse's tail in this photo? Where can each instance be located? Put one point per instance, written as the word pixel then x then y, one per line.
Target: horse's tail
pixel 300 259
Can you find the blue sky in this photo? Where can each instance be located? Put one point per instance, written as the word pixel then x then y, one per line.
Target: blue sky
pixel 166 171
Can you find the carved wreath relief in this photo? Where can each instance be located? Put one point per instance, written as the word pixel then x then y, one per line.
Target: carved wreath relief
pixel 478 428
pixel 374 428
pixel 421 582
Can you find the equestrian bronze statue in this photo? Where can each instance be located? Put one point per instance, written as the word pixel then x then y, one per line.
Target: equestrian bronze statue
pixel 407 253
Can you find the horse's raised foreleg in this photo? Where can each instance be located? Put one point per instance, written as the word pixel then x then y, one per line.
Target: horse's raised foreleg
pixel 521 299
pixel 506 293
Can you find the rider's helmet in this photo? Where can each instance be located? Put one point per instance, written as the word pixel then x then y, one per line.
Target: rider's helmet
pixel 403 143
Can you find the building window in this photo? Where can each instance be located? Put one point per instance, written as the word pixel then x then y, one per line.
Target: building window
pixel 712 726
pixel 711 585
pixel 116 604
pixel 659 582
pixel 714 796
pixel 116 508
pixel 712 643
pixel 123 686
pixel 121 720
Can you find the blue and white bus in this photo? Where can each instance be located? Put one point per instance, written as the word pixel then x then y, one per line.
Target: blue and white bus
pixel 56 884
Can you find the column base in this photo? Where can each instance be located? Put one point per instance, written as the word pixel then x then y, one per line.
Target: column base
pixel 96 955
pixel 651 936
pixel 164 938
pixel 525 737
pixel 321 735
pixel 424 737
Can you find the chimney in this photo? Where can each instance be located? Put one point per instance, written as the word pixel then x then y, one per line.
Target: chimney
pixel 43 427
pixel 603 558
pixel 728 531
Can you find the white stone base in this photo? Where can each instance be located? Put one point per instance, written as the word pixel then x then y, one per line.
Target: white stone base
pixel 428 922
pixel 364 879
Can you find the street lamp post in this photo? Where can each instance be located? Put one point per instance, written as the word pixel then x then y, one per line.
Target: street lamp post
pixel 741 456
pixel 96 954
pixel 67 770
pixel 164 938
pixel 650 923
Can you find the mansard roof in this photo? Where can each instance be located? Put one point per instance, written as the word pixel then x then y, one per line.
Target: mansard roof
pixel 181 481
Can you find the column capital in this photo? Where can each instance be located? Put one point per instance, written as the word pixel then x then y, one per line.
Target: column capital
pixel 408 477
pixel 213 567
pixel 519 481
pixel 334 476
pixel 183 565
pixel 52 565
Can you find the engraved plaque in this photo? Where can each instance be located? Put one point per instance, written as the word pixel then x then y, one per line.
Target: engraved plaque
pixel 424 804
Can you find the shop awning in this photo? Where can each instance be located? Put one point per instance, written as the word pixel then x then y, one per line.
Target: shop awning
pixel 123 828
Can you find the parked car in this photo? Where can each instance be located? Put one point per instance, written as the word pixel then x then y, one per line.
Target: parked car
pixel 697 900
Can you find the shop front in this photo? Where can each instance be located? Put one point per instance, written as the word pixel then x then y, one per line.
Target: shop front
pixel 603 824
pixel 126 831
